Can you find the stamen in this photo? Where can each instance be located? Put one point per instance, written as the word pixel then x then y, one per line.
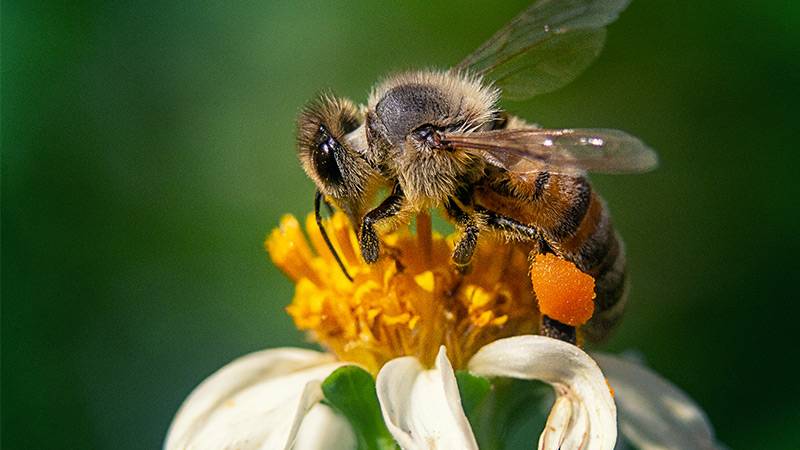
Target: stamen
pixel 409 302
pixel 424 236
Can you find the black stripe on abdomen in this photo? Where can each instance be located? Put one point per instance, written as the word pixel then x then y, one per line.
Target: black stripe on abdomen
pixel 580 194
pixel 610 290
pixel 541 183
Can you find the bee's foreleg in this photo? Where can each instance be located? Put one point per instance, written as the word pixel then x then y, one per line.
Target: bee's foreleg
pixel 557 330
pixel 465 247
pixel 368 240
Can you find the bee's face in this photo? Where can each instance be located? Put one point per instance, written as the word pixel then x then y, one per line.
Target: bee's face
pixel 340 172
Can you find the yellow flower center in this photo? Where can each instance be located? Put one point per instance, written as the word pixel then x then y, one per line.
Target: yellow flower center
pixel 409 302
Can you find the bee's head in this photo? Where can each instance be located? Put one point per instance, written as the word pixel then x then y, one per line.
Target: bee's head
pixel 417 108
pixel 327 156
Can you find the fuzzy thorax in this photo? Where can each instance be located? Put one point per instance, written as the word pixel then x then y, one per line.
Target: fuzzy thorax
pixel 405 116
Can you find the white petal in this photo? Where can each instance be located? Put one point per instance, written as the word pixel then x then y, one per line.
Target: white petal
pixel 654 413
pixel 422 408
pixel 557 422
pixel 324 429
pixel 257 401
pixel 583 402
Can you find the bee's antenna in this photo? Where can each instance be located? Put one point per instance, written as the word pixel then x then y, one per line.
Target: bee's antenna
pixel 317 201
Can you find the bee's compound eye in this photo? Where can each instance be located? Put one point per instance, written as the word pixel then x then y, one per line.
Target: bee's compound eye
pixel 428 134
pixel 324 157
pixel 424 132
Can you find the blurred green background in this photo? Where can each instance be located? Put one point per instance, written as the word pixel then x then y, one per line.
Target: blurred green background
pixel 147 149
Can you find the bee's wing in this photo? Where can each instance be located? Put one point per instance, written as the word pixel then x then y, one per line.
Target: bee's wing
pixel 544 47
pixel 568 151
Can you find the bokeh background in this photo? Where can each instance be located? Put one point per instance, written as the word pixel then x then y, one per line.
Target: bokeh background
pixel 147 149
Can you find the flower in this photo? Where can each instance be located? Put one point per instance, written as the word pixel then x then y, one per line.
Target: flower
pixel 408 303
pixel 423 329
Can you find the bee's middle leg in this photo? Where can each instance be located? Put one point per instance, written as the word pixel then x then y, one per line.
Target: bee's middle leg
pixel 368 240
pixel 465 247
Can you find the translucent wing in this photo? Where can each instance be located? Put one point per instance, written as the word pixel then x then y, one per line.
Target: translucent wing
pixel 545 47
pixel 568 151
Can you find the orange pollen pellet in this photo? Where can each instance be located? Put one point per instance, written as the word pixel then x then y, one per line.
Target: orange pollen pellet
pixel 564 292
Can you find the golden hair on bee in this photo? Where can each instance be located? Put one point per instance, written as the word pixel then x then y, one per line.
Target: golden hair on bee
pixel 438 139
pixel 406 114
pixel 338 169
pixel 339 115
pixel 472 101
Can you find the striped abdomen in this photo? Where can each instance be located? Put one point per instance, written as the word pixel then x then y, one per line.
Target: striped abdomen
pixel 575 224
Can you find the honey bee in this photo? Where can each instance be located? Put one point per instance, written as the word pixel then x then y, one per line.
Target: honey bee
pixel 438 139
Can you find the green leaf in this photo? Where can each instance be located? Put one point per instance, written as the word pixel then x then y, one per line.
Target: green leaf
pixel 473 390
pixel 350 390
pixel 504 413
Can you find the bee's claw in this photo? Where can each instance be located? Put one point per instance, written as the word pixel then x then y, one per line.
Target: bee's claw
pixel 464 269
pixel 462 254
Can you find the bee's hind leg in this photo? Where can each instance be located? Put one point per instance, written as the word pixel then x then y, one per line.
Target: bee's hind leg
pixel 508 225
pixel 549 327
pixel 557 330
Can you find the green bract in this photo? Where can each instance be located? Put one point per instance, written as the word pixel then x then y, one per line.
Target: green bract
pixel 350 390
